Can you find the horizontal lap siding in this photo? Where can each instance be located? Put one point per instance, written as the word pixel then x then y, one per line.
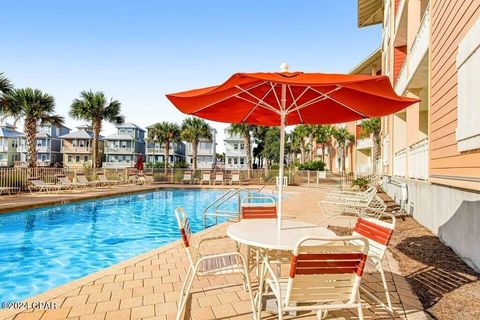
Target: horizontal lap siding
pixel 450 21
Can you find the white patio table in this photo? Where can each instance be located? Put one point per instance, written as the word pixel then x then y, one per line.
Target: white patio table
pixel 264 233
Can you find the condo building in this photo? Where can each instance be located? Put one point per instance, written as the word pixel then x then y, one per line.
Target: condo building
pixel 431 150
pixel 235 152
pixel 156 152
pixel 206 153
pixel 48 146
pixel 123 148
pixel 8 145
pixel 77 147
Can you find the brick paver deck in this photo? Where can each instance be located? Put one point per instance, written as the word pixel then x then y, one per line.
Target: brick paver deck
pixel 147 286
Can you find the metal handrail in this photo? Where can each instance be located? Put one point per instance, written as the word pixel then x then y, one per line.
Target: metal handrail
pixel 265 184
pixel 230 193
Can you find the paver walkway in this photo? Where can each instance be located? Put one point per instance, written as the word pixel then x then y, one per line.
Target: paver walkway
pixel 147 286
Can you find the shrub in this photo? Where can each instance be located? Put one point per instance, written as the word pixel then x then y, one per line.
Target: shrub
pixel 361 183
pixel 312 166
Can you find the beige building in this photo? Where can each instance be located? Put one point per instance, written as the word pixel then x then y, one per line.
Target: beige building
pixel 77 148
pixel 431 150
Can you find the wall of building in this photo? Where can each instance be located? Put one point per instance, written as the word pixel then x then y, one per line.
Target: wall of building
pixel 451 20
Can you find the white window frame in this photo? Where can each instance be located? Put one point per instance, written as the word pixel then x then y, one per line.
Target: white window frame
pixel 468 99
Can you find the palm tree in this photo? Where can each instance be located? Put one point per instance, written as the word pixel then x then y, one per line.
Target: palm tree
pixel 165 133
pixel 244 130
pixel 343 138
pixel 311 131
pixel 194 129
pixel 5 84
pixel 323 137
pixel 34 107
pixel 94 107
pixel 301 133
pixel 259 133
pixel 372 127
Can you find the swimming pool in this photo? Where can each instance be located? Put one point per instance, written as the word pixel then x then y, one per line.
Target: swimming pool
pixel 43 248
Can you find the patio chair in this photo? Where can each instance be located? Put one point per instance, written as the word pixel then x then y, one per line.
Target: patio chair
pixel 321 278
pixel 207 265
pixel 148 176
pixel 235 178
pixel 187 177
pixel 206 177
pixel 67 183
pixel 218 178
pixel 36 184
pixel 82 179
pixel 379 233
pixel 351 204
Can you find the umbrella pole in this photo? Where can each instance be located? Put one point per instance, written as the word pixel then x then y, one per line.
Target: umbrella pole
pixel 282 156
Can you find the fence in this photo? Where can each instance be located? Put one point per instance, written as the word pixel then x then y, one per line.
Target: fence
pixel 18 176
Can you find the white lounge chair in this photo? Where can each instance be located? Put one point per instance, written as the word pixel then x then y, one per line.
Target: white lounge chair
pixel 36 184
pixel 187 177
pixel 82 179
pixel 103 178
pixel 200 265
pixel 10 190
pixel 206 177
pixel 334 206
pixel 67 183
pixel 321 278
pixel 235 178
pixel 218 178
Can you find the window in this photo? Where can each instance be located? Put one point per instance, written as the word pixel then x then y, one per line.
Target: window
pixel 235 161
pixel 235 146
pixel 468 109
pixel 242 146
pixel 242 160
pixel 229 160
pixel 77 159
pixel 69 159
pixel 85 158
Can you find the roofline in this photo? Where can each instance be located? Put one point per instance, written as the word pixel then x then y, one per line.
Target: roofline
pixel 368 60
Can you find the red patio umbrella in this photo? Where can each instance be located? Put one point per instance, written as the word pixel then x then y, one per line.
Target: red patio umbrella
pixel 290 98
pixel 139 164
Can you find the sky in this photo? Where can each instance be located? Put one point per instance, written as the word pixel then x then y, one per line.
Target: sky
pixel 138 51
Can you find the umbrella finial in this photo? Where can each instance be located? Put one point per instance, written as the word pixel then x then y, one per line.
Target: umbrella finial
pixel 284 67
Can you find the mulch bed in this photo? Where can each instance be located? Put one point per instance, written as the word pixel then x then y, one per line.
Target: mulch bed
pixel 446 286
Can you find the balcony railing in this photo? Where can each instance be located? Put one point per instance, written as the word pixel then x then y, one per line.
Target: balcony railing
pixel 415 55
pixel 4 148
pixel 3 163
pixel 119 150
pixel 418 160
pixel 364 143
pixel 400 163
pixel 66 149
pixel 398 14
pixel 201 151
pixel 40 149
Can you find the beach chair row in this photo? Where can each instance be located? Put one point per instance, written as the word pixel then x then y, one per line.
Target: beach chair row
pixel 207 177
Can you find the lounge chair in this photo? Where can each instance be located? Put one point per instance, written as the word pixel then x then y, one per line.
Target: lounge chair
pixel 206 177
pixel 235 178
pixel 67 183
pixel 187 177
pixel 10 190
pixel 321 278
pixel 218 178
pixel 379 232
pixel 36 184
pixel 82 179
pixel 334 206
pixel 103 178
pixel 207 265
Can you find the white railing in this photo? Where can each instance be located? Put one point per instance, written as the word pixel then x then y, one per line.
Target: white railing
pixel 366 168
pixel 418 160
pixel 118 164
pixel 415 55
pixel 398 14
pixel 39 149
pixel 400 163
pixel 4 148
pixel 364 143
pixel 118 150
pixel 3 163
pixel 77 149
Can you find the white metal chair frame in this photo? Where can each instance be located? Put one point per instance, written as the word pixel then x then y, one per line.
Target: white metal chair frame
pixel 322 277
pixel 235 178
pixel 42 186
pixel 379 233
pixel 187 177
pixel 82 179
pixel 65 181
pixel 208 265
pixel 219 178
pixel 103 178
pixel 333 206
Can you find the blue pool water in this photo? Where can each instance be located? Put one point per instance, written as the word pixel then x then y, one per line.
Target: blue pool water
pixel 43 248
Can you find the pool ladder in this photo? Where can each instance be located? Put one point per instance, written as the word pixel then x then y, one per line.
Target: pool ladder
pixel 217 212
